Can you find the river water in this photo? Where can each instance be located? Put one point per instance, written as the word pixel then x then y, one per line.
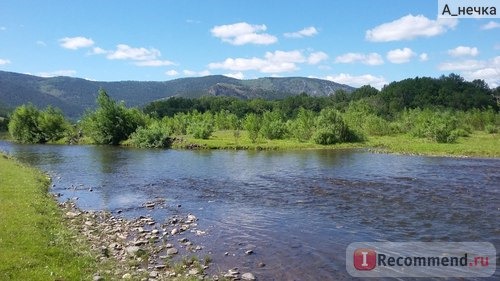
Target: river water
pixel 297 210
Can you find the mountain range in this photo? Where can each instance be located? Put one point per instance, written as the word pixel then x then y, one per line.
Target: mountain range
pixel 75 95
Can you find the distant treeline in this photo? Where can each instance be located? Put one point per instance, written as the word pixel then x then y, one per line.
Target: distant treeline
pixel 441 110
pixel 446 92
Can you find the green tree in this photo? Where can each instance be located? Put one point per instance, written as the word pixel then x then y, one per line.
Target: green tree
pixel 303 126
pixel 155 135
pixel 252 125
pixel 273 126
pixel 332 129
pixel 30 125
pixel 111 123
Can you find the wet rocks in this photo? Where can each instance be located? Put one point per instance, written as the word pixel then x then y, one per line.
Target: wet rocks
pixel 172 251
pixel 247 276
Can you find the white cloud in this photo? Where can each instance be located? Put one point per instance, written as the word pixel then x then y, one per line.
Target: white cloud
pixel 125 52
pixel 41 43
pixel 424 57
pixel 306 32
pixel 400 55
pixel 487 70
pixel 188 72
pixel 273 62
pixel 317 57
pixel 154 63
pixel 490 25
pixel 243 33
pixel 358 81
pixel 4 61
pixel 369 59
pixel 172 73
pixel 409 27
pixel 461 65
pixel 98 51
pixel 236 75
pixel 74 43
pixel 463 51
pixel 57 73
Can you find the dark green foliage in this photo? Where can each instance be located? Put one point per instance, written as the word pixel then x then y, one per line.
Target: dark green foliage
pixel 273 126
pixel 30 125
pixel 4 124
pixel 332 129
pixel 155 135
pixel 434 125
pixel 252 125
pixel 111 123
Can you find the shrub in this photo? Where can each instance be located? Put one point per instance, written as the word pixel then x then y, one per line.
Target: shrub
pixel 156 135
pixel 332 129
pixel 376 126
pixel 302 127
pixel 252 125
pixel 273 126
pixel 30 125
pixel 491 129
pixel 201 129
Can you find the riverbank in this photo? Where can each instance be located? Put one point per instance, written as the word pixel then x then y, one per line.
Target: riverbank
pixel 35 243
pixel 478 144
pixel 41 239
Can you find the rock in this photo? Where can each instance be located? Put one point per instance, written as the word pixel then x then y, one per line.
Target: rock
pixel 134 251
pixel 172 251
pixel 247 276
pixel 127 276
pixel 191 218
pixel 89 223
pixel 72 215
pixel 174 231
pixel 198 248
pixel 150 205
pixel 154 274
pixel 261 264
pixel 168 245
pixel 226 254
pixel 98 278
pixel 160 266
pixel 140 242
pixel 249 252
pixel 183 240
pixel 155 231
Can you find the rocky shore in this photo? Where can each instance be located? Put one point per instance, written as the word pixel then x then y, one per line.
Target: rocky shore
pixel 144 249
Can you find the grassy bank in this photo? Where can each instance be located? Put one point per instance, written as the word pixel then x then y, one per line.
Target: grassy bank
pixel 477 144
pixel 34 241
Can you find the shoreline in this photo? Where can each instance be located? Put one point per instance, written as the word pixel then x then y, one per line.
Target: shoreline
pixel 59 241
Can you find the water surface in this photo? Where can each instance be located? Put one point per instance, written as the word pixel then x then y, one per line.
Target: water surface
pixel 297 210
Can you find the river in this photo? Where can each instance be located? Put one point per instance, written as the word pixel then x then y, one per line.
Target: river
pixel 297 210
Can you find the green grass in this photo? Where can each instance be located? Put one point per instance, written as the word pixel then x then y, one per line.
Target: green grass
pixel 478 144
pixel 35 244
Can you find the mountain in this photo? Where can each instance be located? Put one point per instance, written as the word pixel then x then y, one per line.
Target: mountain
pixel 75 95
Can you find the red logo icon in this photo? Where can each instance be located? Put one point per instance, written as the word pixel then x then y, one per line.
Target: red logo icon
pixel 365 259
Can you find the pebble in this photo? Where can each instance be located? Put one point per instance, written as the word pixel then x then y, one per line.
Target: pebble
pixel 172 251
pixel 249 252
pixel 247 276
pixel 134 250
pixel 193 271
pixel 98 278
pixel 127 276
pixel 174 231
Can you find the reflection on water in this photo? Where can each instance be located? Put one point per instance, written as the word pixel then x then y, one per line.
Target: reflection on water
pixel 298 210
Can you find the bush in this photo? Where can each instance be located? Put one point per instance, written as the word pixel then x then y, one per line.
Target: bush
pixel 111 123
pixel 30 125
pixel 273 126
pixel 252 125
pixel 201 129
pixel 491 129
pixel 156 135
pixel 302 127
pixel 436 126
pixel 332 129
pixel 376 126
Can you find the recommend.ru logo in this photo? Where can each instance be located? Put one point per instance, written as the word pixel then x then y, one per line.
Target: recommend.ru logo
pixel 421 259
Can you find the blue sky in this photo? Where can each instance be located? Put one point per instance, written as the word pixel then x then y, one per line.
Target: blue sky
pixel 351 42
